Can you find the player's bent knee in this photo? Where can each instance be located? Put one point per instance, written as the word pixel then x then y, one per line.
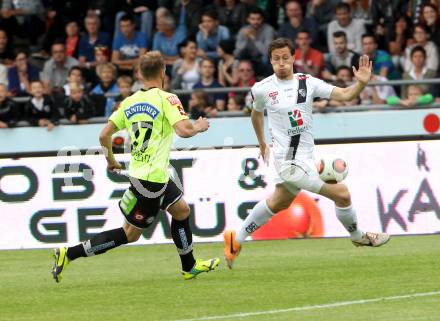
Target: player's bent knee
pixel 180 210
pixel 133 237
pixel 278 205
pixel 343 197
pixel 132 233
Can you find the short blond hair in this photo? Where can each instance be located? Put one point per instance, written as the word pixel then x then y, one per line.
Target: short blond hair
pixel 125 80
pixel 75 87
pixel 107 65
pixel 151 64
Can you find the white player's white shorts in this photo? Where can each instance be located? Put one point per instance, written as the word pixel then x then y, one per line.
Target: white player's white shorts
pixel 296 175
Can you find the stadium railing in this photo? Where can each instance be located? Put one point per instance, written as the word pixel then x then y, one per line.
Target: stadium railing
pixel 247 89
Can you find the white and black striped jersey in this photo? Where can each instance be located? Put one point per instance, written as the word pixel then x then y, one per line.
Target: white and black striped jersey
pixel 289 112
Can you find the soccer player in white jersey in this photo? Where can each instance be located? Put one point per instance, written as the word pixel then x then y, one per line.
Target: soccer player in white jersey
pixel 285 96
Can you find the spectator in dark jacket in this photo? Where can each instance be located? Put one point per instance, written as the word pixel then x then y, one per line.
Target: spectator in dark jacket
pixel 78 107
pixel 192 11
pixel 6 52
pixel 72 37
pixel 8 109
pixel 232 15
pixel 21 75
pixel 40 109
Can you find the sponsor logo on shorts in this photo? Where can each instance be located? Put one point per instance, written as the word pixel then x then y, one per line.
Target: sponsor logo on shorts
pixel 138 216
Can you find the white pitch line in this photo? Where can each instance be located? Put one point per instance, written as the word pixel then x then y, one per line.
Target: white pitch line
pixel 313 307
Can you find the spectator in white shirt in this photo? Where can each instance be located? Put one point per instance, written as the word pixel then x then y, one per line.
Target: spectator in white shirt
pixel 421 36
pixel 377 94
pixel 353 28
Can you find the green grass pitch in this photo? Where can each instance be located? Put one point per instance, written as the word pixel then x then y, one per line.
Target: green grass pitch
pixel 144 283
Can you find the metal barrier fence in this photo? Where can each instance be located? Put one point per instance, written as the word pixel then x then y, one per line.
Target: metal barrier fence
pixel 247 89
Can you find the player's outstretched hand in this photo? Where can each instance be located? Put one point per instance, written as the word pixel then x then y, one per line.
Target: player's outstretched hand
pixel 363 73
pixel 201 124
pixel 114 166
pixel 264 153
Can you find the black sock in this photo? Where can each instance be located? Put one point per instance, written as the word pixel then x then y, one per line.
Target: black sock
pixel 182 237
pixel 98 244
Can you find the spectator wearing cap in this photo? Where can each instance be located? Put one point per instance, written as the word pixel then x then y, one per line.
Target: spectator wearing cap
pixel 210 34
pixel 228 64
pixel 21 75
pixel 186 70
pixel 129 45
pixel 56 69
pixel 90 40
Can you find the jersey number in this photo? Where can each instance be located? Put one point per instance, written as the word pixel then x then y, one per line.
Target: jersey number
pixel 137 129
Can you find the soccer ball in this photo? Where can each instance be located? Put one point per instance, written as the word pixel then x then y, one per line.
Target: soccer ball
pixel 332 168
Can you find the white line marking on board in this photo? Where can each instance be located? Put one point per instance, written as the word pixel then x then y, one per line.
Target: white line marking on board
pixel 313 307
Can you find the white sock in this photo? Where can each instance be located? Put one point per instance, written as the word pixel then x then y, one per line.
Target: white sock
pixel 260 214
pixel 347 216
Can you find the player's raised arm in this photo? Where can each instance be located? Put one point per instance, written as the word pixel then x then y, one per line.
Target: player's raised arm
pixel 186 128
pixel 362 75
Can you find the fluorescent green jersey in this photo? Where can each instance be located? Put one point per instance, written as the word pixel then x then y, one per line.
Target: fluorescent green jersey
pixel 149 116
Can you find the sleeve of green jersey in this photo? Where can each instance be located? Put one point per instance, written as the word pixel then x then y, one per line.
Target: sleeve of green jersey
pixel 173 109
pixel 118 118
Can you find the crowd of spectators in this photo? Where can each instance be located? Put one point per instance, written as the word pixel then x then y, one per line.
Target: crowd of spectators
pixel 77 59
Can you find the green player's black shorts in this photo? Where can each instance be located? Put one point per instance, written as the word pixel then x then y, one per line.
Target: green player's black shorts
pixel 143 200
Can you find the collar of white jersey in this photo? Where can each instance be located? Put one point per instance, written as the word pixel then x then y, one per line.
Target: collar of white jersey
pixel 284 82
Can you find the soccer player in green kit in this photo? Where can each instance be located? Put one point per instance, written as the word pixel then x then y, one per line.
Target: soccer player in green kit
pixel 151 116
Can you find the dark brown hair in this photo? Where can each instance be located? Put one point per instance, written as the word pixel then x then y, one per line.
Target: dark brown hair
pixel 151 64
pixel 281 43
